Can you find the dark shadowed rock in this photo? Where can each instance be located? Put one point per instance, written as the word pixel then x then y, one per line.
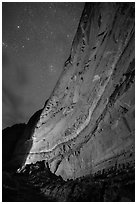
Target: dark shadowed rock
pixel 37 183
pixel 10 138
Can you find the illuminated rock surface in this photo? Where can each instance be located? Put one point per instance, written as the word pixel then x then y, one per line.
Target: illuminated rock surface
pixel 88 122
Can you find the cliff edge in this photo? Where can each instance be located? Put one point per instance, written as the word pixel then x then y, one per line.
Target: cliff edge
pixel 88 122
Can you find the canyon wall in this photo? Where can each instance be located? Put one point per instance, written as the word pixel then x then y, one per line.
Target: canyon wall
pixel 88 122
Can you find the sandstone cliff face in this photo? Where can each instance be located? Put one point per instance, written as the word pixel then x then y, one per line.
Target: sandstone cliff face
pixel 88 122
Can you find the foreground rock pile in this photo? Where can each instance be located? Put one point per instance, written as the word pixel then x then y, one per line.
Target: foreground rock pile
pixel 37 183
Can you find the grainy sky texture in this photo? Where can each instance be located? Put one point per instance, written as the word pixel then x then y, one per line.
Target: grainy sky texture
pixel 36 41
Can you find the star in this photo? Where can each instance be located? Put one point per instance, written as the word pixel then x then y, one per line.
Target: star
pixel 4 45
pixel 18 26
pixel 51 67
pixel 28 38
pixel 25 9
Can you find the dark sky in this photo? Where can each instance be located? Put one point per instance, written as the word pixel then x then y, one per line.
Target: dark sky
pixel 36 39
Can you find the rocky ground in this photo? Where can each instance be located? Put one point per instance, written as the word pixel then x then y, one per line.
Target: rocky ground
pixel 37 183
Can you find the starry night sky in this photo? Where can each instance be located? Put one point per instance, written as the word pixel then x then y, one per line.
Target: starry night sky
pixel 36 41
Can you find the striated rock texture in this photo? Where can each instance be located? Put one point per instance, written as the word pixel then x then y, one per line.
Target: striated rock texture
pixel 88 122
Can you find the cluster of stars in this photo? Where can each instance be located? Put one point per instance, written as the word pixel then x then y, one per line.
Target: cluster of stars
pixel 36 42
pixel 45 33
pixel 27 38
pixel 29 29
pixel 51 68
